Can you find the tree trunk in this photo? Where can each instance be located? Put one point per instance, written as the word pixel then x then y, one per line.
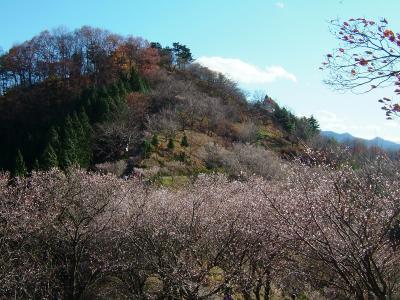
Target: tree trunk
pixel 359 296
pixel 257 290
pixel 267 289
pixel 246 295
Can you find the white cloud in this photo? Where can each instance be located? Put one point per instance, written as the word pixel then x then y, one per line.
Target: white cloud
pixel 280 5
pixel 330 121
pixel 245 73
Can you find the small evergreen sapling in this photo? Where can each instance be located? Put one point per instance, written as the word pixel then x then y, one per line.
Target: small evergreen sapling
pixel 49 158
pixel 171 144
pixel 184 141
pixel 154 140
pixel 146 148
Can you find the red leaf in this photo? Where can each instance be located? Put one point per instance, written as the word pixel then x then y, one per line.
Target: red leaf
pixel 388 33
pixel 396 108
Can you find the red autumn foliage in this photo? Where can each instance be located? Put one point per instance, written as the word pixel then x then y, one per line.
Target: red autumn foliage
pixel 368 57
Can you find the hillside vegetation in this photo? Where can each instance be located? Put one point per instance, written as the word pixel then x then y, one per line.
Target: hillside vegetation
pixel 88 97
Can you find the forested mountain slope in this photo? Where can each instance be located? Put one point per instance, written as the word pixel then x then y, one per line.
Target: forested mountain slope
pixel 88 97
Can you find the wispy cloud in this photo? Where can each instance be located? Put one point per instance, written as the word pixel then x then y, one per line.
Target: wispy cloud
pixel 330 121
pixel 243 72
pixel 280 5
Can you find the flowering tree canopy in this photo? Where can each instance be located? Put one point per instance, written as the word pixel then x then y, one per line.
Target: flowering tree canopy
pixel 337 230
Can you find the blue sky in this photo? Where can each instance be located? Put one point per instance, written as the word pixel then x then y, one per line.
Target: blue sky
pixel 275 46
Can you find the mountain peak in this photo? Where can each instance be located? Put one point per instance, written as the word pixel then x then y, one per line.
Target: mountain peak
pixel 377 141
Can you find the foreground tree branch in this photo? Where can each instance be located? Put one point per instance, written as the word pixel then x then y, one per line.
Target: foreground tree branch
pixel 368 57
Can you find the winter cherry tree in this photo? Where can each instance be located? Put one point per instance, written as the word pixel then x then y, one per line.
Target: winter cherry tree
pixel 57 233
pixel 367 58
pixel 341 225
pixel 183 235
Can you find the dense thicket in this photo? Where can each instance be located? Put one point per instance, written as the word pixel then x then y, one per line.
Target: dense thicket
pixel 76 235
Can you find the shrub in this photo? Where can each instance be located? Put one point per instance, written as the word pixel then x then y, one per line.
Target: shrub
pixel 146 149
pixel 243 160
pixel 154 140
pixel 117 168
pixel 247 133
pixel 184 141
pixel 171 144
pixel 164 122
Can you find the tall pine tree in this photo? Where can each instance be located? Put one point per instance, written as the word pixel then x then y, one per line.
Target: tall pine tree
pixel 135 83
pixel 20 167
pixel 68 145
pixel 49 158
pixel 54 140
pixel 314 125
pixel 86 139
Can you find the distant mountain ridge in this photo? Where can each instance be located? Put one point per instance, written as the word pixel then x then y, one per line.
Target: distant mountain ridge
pixel 345 137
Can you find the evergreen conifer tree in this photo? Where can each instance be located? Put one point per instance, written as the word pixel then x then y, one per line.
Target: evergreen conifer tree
pixel 69 143
pixel 20 167
pixel 134 81
pixel 49 158
pixel 314 125
pixel 154 140
pixel 184 141
pixel 146 148
pixel 122 89
pixel 113 90
pixel 285 119
pixel 171 144
pixel 112 104
pixel 102 92
pixel 54 140
pixel 80 139
pixel 102 109
pixel 36 165
pixel 143 85
pixel 89 107
pixel 85 140
pixel 85 122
